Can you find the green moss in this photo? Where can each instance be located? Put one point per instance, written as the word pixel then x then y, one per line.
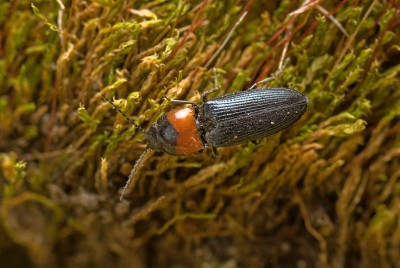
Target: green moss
pixel 327 188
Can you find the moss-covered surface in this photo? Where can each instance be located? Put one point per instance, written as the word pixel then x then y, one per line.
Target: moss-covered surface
pixel 324 192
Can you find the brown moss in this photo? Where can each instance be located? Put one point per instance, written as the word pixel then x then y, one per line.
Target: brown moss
pixel 324 192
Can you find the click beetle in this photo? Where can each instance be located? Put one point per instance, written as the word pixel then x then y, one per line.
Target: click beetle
pixel 228 120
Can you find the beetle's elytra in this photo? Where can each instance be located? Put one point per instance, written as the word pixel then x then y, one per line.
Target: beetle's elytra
pixel 224 121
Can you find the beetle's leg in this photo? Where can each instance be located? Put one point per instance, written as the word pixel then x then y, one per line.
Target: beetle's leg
pixel 255 142
pixel 214 151
pixel 179 102
pixel 282 64
pixel 204 96
pixel 182 102
pixel 264 81
pixel 216 84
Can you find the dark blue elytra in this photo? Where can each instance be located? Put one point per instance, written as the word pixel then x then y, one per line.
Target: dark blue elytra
pixel 250 115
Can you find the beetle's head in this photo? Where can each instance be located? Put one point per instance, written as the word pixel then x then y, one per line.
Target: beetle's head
pixel 151 137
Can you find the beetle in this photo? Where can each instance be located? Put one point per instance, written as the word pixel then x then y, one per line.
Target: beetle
pixel 228 120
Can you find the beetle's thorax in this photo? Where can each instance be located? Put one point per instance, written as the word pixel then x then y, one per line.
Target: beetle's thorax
pixel 176 132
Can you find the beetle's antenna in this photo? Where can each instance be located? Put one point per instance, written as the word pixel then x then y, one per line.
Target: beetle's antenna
pixel 121 112
pixel 135 167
